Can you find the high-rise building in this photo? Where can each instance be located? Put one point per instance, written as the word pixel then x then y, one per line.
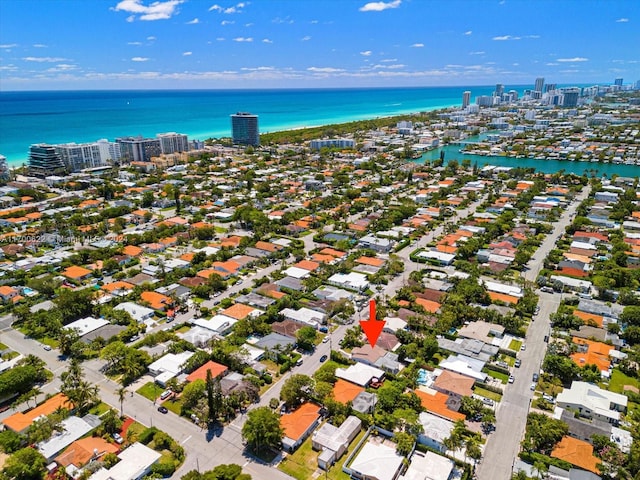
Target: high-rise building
pixel 109 151
pixel 4 167
pixel 78 156
pixel 484 100
pixel 550 87
pixel 499 90
pixel 618 82
pixel 244 129
pixel 570 97
pixel 466 98
pixel 44 160
pixel 173 142
pixel 138 149
pixel 539 84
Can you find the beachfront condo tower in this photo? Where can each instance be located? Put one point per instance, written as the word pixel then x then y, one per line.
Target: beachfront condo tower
pixel 44 160
pixel 539 84
pixel 244 129
pixel 466 98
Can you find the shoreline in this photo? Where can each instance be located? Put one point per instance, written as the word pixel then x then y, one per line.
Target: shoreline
pixel 14 164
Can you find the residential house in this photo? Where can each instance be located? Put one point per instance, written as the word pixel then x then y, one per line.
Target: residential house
pixel 435 431
pixel 334 441
pixel 135 462
pixel 298 425
pixel 578 453
pixel 20 421
pixel 376 460
pixel 591 401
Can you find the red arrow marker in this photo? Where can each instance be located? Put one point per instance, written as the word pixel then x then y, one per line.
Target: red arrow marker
pixel 372 328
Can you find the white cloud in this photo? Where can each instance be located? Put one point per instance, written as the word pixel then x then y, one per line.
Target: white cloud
pixel 159 10
pixel 532 36
pixel 324 69
pixel 215 7
pixel 505 37
pixel 552 64
pixel 40 45
pixel 151 38
pixel 186 54
pixel 622 20
pixel 417 45
pixel 286 19
pixel 220 39
pixel 139 59
pixel 134 43
pixel 248 24
pixel 131 18
pixel 194 21
pixel 8 45
pixel 243 39
pixel 572 60
pixel 380 6
pixel 228 10
pixel 366 53
pixel 62 67
pixel 477 53
pixel 306 38
pixel 389 67
pixel 389 60
pixel 227 22
pixel 44 59
pixel 468 32
pixel 266 40
pixel 257 69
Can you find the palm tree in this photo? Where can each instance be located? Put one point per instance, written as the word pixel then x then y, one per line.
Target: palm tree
pixel 122 391
pixel 541 469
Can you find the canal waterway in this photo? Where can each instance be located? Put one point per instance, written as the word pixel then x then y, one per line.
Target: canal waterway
pixel 452 152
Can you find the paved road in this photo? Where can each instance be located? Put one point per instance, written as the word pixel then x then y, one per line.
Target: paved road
pixel 503 445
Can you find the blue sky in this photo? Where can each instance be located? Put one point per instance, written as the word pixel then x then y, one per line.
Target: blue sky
pixel 104 44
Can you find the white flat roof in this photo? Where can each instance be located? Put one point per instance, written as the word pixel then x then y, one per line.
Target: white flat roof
pixel 73 429
pixel 218 323
pixel 377 461
pixel 359 373
pixel 87 325
pixel 296 272
pixel 134 461
pixel 428 466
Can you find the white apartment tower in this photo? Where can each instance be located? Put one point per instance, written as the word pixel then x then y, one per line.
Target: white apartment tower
pixel 173 142
pixel 78 156
pixel 466 98
pixel 539 84
pixel 109 151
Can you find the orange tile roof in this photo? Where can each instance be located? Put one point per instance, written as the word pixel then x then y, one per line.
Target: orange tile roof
pixel 20 421
pixel 132 250
pixel 238 311
pixel 275 294
pixel 577 452
pixel 296 423
pixel 446 248
pixel 437 404
pixel 307 265
pixel 503 297
pixel 345 392
pixel 597 354
pixel 6 290
pixel 598 319
pixel 317 257
pixel 332 252
pixel 267 246
pixel 429 305
pixel 217 370
pixel 74 272
pixel 119 285
pixel 81 451
pixel 372 261
pixel 187 257
pixel 232 242
pixel 156 300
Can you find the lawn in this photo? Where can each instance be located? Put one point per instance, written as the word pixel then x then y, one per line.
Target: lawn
pixel 183 329
pixel 174 405
pixel 503 377
pixel 302 463
pixel 150 390
pixel 3 346
pixel 488 394
pixel 509 360
pixel 619 379
pixel 515 345
pixel 100 409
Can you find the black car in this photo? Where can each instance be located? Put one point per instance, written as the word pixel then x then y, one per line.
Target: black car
pixel 535 377
pixel 323 358
pixel 162 409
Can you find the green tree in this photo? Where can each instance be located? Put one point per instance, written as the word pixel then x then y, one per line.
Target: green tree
pixel 25 464
pixel 404 443
pixel 297 389
pixel 121 392
pixel 543 432
pixel 306 338
pixel 214 397
pixel 80 392
pixel 262 429
pixel 192 393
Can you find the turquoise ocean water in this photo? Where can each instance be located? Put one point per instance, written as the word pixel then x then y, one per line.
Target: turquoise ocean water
pixel 86 116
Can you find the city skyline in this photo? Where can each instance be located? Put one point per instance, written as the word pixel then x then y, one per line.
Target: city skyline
pixel 325 44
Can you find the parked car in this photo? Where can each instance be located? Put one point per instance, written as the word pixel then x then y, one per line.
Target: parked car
pixel 518 363
pixel 118 438
pixel 523 347
pixel 535 377
pixel 47 348
pixel 323 358
pixel 547 289
pixel 162 409
pixel 532 387
pixel 487 401
pixel 166 394
pixel 298 363
pixel 511 378
pixel 325 339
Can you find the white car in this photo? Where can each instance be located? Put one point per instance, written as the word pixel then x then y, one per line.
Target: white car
pixel 325 339
pixel 511 378
pixel 47 347
pixel 523 347
pixel 532 387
